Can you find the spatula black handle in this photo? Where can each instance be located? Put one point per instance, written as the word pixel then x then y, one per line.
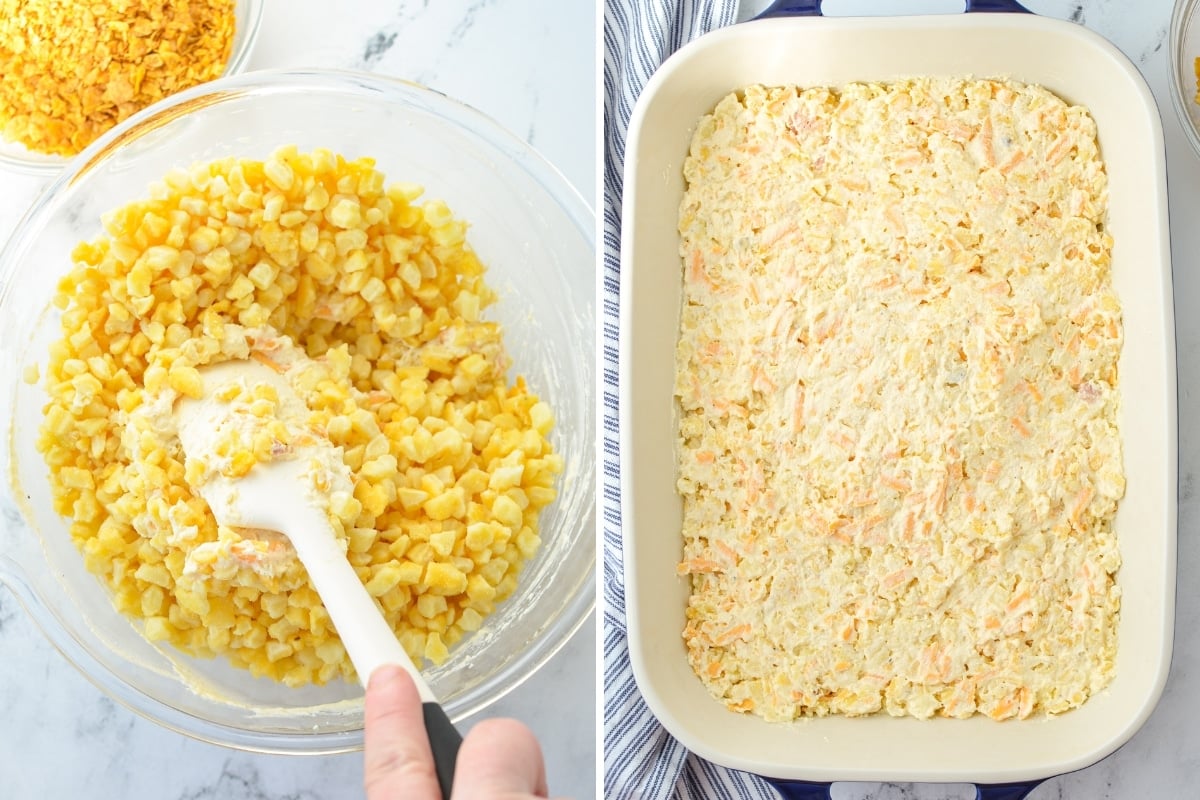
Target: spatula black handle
pixel 444 740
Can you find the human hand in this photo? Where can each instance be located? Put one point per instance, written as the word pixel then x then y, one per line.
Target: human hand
pixel 500 759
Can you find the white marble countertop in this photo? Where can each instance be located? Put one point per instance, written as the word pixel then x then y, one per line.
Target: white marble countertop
pixel 530 64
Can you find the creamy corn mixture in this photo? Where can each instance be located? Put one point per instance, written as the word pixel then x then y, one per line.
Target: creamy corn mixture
pixel 897 372
pixel 370 302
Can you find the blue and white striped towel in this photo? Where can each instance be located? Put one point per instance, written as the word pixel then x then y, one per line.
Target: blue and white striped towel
pixel 641 760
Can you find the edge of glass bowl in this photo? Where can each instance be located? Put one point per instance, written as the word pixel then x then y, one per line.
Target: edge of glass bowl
pixel 79 653
pixel 1182 15
pixel 44 165
pixel 97 673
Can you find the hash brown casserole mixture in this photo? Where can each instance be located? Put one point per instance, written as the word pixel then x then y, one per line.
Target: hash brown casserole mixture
pixel 897 376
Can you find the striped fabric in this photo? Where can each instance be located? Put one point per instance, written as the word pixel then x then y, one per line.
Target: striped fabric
pixel 641 760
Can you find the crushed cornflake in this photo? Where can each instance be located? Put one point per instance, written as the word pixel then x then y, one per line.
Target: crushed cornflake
pixel 72 70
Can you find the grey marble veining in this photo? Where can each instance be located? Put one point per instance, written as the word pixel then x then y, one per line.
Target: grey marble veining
pixel 379 43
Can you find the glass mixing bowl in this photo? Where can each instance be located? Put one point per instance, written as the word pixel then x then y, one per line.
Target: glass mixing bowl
pixel 247 20
pixel 1183 48
pixel 531 229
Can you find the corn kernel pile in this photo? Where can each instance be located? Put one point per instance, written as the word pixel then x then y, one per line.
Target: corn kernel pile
pixel 304 257
pixel 72 70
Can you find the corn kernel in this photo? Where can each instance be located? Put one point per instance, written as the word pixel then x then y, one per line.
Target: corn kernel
pixel 384 579
pixel 195 602
pixel 506 511
pixel 162 258
pixel 157 629
pixel 528 542
pixel 203 240
pixel 272 206
pixel 275 605
pixel 429 606
pixel 331 652
pixel 242 287
pixel 361 539
pixel 478 588
pixel 76 478
pixel 445 578
pixel 279 173
pixel 186 380
pixel 470 619
pixel 374 290
pixel 446 505
pixel 410 572
pixel 435 649
pixel 379 467
pixel 262 274
pixel 345 212
pixel 152 601
pixel 541 417
pixel 156 574
pixel 277 650
pixel 506 477
pixel 494 570
pixel 317 199
pixel 443 542
pixel 480 536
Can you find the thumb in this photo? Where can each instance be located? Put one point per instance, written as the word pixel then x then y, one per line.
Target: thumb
pixel 500 758
pixel 397 761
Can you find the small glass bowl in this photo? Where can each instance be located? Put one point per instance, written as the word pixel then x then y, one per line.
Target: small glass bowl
pixel 529 227
pixel 248 18
pixel 1184 48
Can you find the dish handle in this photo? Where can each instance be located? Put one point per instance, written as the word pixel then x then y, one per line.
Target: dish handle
pixel 812 8
pixel 807 790
pixel 803 790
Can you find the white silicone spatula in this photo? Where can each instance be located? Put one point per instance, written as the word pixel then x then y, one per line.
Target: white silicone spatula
pixel 278 496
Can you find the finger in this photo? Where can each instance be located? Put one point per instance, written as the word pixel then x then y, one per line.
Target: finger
pixel 397 762
pixel 500 758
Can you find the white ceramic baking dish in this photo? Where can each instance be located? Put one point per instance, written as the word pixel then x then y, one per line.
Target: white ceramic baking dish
pixel 1082 68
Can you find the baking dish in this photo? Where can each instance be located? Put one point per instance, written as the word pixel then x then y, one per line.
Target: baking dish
pixel 528 225
pixel 1082 68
